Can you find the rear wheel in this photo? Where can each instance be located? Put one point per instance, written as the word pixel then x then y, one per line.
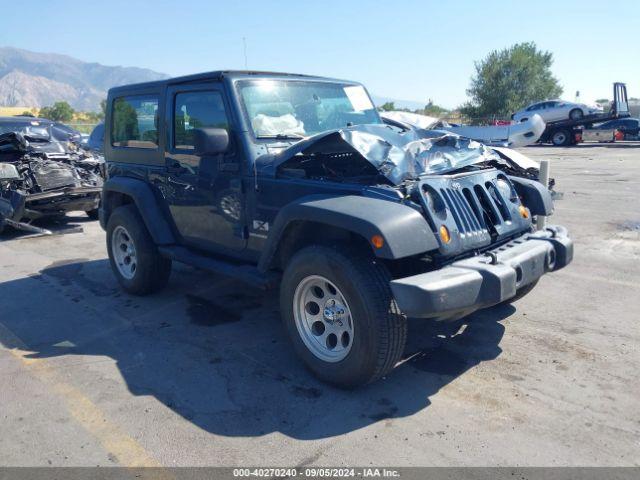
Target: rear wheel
pixel 134 257
pixel 561 138
pixel 576 114
pixel 339 312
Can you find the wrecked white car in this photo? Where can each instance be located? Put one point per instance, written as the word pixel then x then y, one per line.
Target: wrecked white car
pixel 516 135
pixel 507 159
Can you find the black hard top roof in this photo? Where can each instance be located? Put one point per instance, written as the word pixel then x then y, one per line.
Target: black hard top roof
pixel 219 74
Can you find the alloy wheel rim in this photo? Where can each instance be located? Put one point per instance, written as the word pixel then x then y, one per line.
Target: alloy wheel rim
pixel 323 318
pixel 560 138
pixel 124 252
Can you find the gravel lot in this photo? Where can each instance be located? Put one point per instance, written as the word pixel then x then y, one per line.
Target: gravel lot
pixel 202 373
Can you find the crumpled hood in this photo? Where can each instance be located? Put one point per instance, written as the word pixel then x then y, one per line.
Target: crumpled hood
pixel 397 156
pixel 16 142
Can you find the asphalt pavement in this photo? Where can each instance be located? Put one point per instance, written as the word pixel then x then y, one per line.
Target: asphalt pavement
pixel 202 374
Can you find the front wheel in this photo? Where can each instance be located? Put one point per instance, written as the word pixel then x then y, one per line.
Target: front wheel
pixel 561 138
pixel 340 314
pixel 576 114
pixel 134 257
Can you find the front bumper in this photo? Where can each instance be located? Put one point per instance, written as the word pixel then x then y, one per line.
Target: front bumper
pixel 484 280
pixel 62 200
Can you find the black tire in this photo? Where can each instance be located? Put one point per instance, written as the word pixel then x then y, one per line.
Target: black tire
pixel 523 291
pixel 561 138
pixel 93 214
pixel 576 114
pixel 152 270
pixel 380 329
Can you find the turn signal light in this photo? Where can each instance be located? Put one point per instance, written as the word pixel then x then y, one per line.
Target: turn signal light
pixel 444 234
pixel 377 241
pixel 523 211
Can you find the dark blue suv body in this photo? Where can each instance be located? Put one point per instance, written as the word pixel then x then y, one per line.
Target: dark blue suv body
pixel 295 180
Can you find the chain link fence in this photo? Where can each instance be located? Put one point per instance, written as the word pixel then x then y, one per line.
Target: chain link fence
pixel 82 127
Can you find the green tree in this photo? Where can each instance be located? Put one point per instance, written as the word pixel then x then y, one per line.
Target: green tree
pixel 60 112
pixel 509 79
pixel 125 122
pixel 432 110
pixel 387 107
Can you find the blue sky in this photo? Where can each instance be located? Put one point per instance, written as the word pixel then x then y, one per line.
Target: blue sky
pixel 411 50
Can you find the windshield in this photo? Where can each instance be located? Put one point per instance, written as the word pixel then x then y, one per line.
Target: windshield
pixel 35 130
pixel 296 109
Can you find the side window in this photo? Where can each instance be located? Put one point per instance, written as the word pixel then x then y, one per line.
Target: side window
pixel 196 110
pixel 134 122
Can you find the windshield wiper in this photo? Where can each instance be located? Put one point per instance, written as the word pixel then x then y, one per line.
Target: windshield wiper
pixel 282 136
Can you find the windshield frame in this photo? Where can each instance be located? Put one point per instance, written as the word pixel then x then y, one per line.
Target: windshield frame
pixel 239 83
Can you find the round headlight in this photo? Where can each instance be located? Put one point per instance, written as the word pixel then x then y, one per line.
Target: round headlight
pixel 504 187
pixel 428 196
pixel 434 202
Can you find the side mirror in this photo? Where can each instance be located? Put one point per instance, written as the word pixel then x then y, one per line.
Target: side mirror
pixel 210 141
pixel 8 171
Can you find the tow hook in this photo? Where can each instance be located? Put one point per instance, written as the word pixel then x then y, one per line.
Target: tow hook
pixel 493 257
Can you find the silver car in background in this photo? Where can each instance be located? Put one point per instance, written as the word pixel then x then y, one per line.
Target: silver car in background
pixel 555 110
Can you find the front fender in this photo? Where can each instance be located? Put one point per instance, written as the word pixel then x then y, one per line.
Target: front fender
pixel 534 195
pixel 405 231
pixel 145 200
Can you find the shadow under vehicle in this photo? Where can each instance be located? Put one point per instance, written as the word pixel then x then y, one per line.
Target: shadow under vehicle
pixel 292 180
pixel 214 352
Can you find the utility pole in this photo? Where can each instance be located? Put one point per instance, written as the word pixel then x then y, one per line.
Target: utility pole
pixel 244 45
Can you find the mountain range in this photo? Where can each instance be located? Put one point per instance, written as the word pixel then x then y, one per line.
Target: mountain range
pixel 32 79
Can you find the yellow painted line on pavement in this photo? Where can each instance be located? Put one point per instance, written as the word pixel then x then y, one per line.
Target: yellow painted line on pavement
pixel 128 451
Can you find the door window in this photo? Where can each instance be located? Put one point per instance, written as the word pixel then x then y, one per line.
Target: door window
pixel 194 110
pixel 135 122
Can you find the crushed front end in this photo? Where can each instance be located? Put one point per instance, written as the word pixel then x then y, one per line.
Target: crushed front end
pixel 480 204
pixel 489 249
pixel 37 181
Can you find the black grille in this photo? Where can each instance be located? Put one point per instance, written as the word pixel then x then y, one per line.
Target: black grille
pixel 475 209
pixel 464 212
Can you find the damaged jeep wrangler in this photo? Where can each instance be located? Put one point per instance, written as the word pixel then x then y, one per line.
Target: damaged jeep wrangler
pixel 292 180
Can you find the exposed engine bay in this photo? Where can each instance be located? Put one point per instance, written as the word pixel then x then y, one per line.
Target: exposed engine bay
pixel 42 177
pixel 380 154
